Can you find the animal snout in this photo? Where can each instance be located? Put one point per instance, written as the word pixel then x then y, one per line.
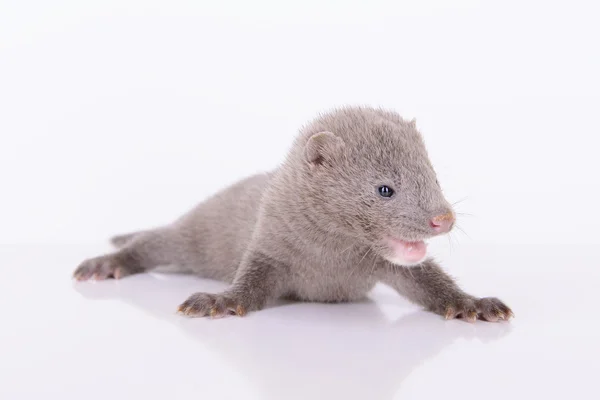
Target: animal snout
pixel 442 223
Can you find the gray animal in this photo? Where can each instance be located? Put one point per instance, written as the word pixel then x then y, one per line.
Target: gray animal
pixel 350 206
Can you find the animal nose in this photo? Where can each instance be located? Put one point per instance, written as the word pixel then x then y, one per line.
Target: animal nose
pixel 442 223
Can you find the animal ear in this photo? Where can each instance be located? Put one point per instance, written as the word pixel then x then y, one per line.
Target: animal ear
pixel 322 146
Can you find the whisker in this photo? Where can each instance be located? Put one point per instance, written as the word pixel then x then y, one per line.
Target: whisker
pixel 460 201
pixel 465 214
pixel 373 267
pixel 463 231
pixel 414 224
pixel 346 249
pixel 354 268
pixel 410 271
pixel 366 252
pixel 456 239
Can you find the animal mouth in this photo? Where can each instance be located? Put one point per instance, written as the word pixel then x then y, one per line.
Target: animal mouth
pixel 409 252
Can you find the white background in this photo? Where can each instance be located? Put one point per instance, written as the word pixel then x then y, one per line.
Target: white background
pixel 119 115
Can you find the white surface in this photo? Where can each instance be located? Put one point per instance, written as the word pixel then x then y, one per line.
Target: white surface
pixel 122 339
pixel 119 115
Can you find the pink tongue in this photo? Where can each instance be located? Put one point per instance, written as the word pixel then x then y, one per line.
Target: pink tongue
pixel 410 251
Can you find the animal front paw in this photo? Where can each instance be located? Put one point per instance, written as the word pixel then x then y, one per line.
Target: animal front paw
pixel 213 305
pixel 471 309
pixel 103 267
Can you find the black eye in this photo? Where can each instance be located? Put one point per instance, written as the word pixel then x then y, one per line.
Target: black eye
pixel 385 191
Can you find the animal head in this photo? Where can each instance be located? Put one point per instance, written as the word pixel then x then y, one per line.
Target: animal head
pixel 366 173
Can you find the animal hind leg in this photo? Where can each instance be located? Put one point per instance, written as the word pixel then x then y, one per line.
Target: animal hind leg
pixel 120 241
pixel 141 252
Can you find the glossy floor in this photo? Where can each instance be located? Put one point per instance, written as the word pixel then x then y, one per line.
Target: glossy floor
pixel 123 339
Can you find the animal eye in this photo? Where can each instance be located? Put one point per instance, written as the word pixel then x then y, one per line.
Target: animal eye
pixel 385 191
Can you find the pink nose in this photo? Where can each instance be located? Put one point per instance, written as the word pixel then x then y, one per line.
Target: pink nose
pixel 442 223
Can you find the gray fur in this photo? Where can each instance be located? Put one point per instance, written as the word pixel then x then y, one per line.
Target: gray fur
pixel 315 229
